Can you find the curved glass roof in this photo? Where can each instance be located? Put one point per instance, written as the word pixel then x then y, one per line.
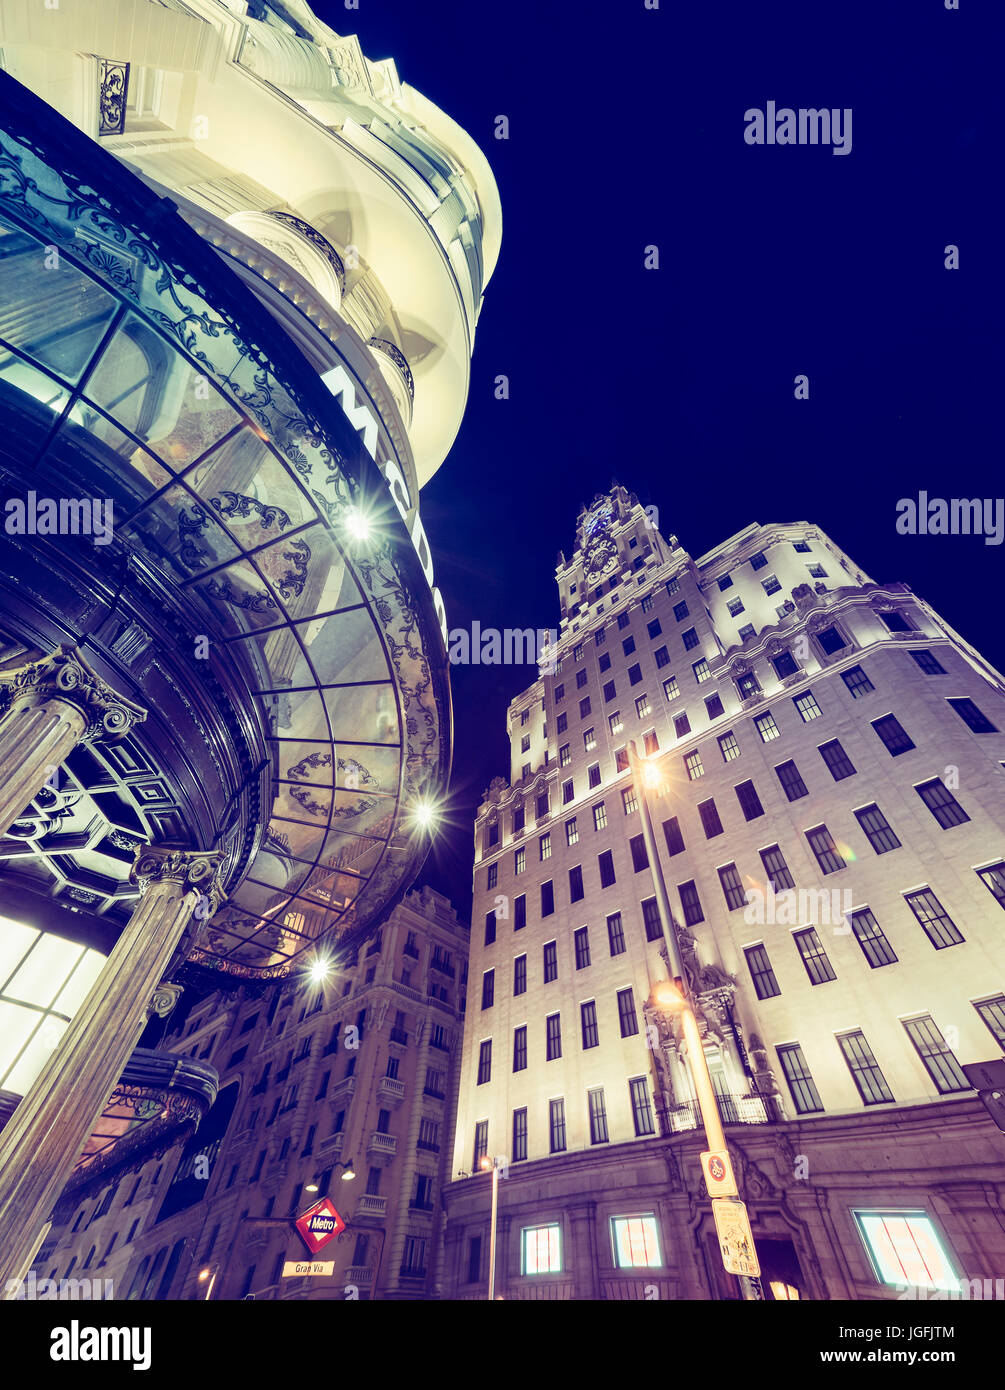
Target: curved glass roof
pixel 120 380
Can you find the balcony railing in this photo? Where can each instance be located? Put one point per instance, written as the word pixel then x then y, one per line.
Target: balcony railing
pixel 332 1146
pixel 734 1110
pixel 369 1205
pixel 409 1272
pixel 344 1089
pixel 383 1145
pixel 359 1274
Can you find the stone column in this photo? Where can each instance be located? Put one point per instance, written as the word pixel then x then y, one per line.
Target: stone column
pixel 49 1128
pixel 48 707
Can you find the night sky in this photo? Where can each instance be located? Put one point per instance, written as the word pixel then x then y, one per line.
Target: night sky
pixel 626 129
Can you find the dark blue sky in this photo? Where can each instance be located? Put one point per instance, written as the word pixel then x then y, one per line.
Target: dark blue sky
pixel 626 129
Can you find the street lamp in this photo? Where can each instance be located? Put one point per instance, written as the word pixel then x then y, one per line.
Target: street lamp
pixel 209 1274
pixel 674 996
pixel 495 1164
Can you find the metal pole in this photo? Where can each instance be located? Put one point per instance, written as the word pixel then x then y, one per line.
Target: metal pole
pixel 492 1231
pixel 708 1102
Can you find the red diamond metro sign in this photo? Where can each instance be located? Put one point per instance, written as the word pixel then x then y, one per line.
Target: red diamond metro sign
pixel 319 1224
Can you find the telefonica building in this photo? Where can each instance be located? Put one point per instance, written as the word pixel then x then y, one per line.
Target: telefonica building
pixel 242 266
pixel 799 774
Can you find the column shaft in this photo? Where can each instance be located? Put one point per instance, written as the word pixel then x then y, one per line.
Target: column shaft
pixel 34 740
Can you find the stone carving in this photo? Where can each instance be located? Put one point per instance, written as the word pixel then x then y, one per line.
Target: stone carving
pixel 196 870
pixel 65 675
pixel 165 997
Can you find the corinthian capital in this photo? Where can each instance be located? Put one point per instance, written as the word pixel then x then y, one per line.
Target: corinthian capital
pixel 65 675
pixel 197 871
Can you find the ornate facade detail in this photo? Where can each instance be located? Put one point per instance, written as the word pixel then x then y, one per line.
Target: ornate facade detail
pixel 165 998
pixel 399 359
pixel 113 93
pixel 196 870
pixel 65 675
pixel 320 243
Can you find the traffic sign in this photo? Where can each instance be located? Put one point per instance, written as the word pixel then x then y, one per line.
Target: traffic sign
pixel 319 1224
pixel 719 1179
pixel 736 1241
pixel 298 1269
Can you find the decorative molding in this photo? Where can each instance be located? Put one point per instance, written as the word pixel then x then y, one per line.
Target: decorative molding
pixel 113 94
pixel 65 675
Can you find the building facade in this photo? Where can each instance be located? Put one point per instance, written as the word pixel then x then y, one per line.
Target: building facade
pixel 823 764
pixel 360 1073
pixel 242 268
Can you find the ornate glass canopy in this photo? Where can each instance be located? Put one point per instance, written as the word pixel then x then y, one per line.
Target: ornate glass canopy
pixel 136 371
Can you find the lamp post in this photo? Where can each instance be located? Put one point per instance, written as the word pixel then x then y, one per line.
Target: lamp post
pixel 495 1164
pixel 674 995
pixel 209 1274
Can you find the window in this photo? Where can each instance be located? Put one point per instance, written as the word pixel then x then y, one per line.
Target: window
pixel 562 723
pixel 692 765
pixel 745 632
pixel 520 912
pixel 606 863
pixel 520 974
pixel 942 804
pixel 805 1096
pixel 732 888
pixel 839 765
pixel 610 691
pixel 640 859
pixel 766 727
pixel 518 820
pixel 642 706
pixel 520 859
pixel 636 1240
pixel 642 1112
pixel 814 957
pixel 690 639
pixel 714 707
pixel 485 1062
pixel 831 640
pixel 896 622
pixel 672 587
pixel 758 561
pixel 792 784
pixel 662 658
pixel 581 941
pixel 571 832
pixel 672 835
pixel 992 1014
pixel 877 828
pixel 690 903
pixel 525 744
pixel 547 898
pixel 544 846
pixel 490 928
pixel 765 984
pixel 550 961
pixel 488 989
pixel 681 725
pixel 748 686
pixel 869 935
pixel 581 679
pixel 725 582
pixel 864 1068
pixel 807 707
pixel 626 1014
pixel 520 1047
pixel 735 607
pixel 600 636
pixel 993 878
pixel 604 664
pixel 936 922
pixel 539 1245
pixel 976 721
pixel 628 646
pixel 481 1143
pixel 623 621
pixel 701 671
pixel 615 934
pixel 895 740
pixel 634 675
pixel 670 688
pixel 710 821
pixel 564 755
pixel 589 740
pixel 519 1136
pixel 771 585
pixel 647 605
pixel 576 883
pixel 823 846
pixel 493 835
pixel 936 1055
pixel 588 1019
pixel 928 662
pixel 556 1126
pixel 629 800
pixel 776 869
pixel 584 707
pixel 598 1116
pixel 651 920
pixel 599 816
pixel 857 682
pixel 559 692
pixel 614 722
pixel 750 803
pixel 905 1249
pixel 680 611
pixel 621 760
pixel 492 876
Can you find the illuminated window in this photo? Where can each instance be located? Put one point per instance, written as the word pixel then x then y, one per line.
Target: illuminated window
pixel 905 1249
pixel 636 1242
pixel 540 1250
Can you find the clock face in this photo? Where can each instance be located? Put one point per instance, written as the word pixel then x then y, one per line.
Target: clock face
pixel 598 519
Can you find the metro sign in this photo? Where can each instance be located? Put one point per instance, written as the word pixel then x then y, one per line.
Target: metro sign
pixel 319 1224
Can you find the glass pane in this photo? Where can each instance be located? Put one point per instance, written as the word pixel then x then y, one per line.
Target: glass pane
pixel 16 1026
pixel 252 490
pixel 45 971
pixel 345 648
pixel 364 713
pixel 76 989
pixel 180 532
pixel 35 1055
pixel 240 597
pixel 15 941
pixel 30 404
